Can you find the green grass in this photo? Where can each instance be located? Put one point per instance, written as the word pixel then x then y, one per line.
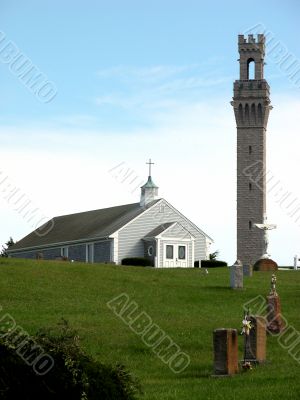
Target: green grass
pixel 186 304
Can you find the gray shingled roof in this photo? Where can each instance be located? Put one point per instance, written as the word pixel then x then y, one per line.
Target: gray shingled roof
pixel 84 225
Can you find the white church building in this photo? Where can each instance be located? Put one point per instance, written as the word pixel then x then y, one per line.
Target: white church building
pixel 151 228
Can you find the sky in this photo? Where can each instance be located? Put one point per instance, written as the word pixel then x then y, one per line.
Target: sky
pixel 120 82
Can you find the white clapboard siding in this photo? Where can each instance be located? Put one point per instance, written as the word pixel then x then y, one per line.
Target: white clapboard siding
pixel 130 243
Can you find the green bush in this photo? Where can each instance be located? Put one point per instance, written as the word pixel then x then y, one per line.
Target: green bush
pixel 210 264
pixel 137 261
pixel 74 375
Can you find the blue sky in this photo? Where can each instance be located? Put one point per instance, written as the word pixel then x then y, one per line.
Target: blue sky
pixel 137 80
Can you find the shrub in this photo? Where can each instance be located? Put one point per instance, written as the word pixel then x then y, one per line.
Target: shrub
pixel 137 261
pixel 214 255
pixel 7 245
pixel 210 264
pixel 74 374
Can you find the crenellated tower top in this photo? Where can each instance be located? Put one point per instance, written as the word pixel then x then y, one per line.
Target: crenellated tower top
pixel 251 49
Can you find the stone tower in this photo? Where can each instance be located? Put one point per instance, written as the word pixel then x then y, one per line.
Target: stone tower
pixel 251 105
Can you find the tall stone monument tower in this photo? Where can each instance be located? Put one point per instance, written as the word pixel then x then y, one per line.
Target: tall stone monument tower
pixel 251 105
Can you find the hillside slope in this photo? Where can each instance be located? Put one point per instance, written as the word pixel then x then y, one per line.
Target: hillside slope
pixel 187 304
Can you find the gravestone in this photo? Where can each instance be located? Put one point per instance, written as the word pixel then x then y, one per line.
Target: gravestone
pixel 255 346
pixel 236 275
pixel 225 343
pixel 296 259
pixel 247 270
pixel 265 265
pixel 275 322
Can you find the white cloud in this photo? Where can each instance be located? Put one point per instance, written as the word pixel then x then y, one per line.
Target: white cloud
pixel 145 91
pixel 144 74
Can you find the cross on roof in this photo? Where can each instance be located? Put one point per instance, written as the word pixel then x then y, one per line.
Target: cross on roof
pixel 150 163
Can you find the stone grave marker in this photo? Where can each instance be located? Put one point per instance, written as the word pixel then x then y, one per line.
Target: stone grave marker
pixel 275 322
pixel 247 270
pixel 236 275
pixel 255 347
pixel 225 342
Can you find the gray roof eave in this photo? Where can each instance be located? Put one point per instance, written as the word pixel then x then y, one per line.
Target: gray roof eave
pixel 58 244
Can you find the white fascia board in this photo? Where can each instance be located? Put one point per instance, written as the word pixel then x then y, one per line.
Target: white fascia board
pixel 60 244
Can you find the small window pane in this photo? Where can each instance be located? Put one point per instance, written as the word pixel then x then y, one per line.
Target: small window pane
pixel 64 251
pixel 169 251
pixel 150 251
pixel 181 252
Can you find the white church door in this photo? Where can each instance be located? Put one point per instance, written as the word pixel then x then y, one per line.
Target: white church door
pixel 175 255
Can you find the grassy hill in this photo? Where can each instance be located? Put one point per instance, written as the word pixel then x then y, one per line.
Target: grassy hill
pixel 187 304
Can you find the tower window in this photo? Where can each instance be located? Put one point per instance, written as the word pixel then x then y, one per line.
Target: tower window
pixel 253 114
pixel 247 114
pixel 240 113
pixel 259 113
pixel 251 69
pixel 250 149
pixel 250 186
pixel 250 224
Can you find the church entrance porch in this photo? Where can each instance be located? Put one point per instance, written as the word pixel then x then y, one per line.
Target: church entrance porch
pixel 173 246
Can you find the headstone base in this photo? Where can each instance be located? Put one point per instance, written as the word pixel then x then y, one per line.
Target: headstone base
pixel 253 362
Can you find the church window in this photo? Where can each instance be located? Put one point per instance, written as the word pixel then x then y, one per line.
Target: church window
pixel 250 149
pixel 90 253
pixel 169 252
pixel 161 208
pixel 250 186
pixel 150 251
pixel 250 224
pixel 181 252
pixel 64 252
